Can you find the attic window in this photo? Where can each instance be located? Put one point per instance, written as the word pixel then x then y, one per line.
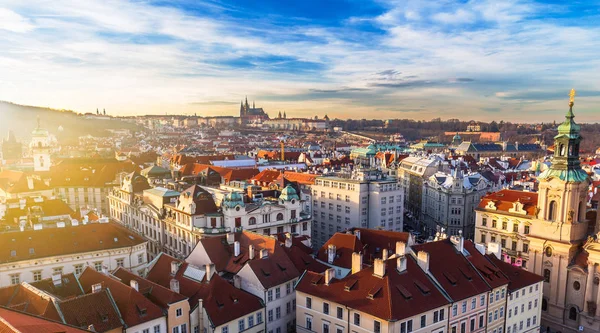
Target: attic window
pixel 373 292
pixel 281 267
pixel 142 311
pixel 350 284
pixel 466 274
pixel 450 278
pixel 265 273
pixel 404 292
pixel 219 303
pixel 234 299
pixel 423 288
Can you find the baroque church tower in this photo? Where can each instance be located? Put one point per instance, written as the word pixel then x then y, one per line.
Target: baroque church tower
pixel 560 242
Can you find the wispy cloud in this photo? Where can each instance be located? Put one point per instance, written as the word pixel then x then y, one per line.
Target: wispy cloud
pixel 453 58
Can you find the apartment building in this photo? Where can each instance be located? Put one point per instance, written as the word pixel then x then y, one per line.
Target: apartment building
pixel 393 295
pixel 215 305
pixel 449 200
pixel 445 262
pixel 364 199
pixel 505 217
pixel 525 294
pixel 33 255
pixel 412 173
pixel 263 266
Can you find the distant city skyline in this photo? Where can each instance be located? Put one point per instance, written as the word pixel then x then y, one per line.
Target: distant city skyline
pixel 483 60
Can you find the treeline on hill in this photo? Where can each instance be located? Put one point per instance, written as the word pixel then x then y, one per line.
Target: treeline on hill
pixel 434 130
pixel 22 119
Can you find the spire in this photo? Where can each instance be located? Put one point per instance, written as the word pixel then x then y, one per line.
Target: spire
pixel 284 115
pixel 279 115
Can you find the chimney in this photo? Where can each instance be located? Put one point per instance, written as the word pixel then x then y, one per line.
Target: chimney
pixel 237 281
pixel 400 248
pixel 288 240
pixel 480 248
pixel 357 262
pixel 230 238
pixel 174 267
pixel 30 183
pixel 331 250
pixel 174 284
pixel 135 285
pixel 379 268
pixel 401 263
pixel 357 234
pixel 210 270
pixel 251 251
pixel 384 255
pixel 236 248
pixel 329 275
pixel 423 260
pixel 264 253
pixel 460 245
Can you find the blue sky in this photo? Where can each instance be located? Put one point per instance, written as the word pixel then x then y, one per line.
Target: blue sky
pixel 506 60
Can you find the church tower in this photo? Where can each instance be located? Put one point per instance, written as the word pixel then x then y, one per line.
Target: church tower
pixel 560 229
pixel 40 148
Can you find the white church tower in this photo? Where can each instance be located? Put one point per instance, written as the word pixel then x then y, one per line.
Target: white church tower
pixel 40 147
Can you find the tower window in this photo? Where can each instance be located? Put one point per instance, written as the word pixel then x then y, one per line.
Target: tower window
pixel 547 275
pixel 552 211
pixel 573 313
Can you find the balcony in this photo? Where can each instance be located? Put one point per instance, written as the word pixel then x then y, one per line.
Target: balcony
pixel 211 230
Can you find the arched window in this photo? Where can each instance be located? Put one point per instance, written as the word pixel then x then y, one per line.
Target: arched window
pixel 573 313
pixel 547 275
pixel 280 217
pixel 562 149
pixel 252 221
pixel 552 211
pixel 582 211
pixel 544 305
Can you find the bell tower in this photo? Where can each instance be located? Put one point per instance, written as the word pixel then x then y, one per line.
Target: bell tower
pixel 560 228
pixel 40 148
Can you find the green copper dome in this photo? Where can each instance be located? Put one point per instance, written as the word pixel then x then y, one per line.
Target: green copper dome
pixel 288 193
pixel 233 199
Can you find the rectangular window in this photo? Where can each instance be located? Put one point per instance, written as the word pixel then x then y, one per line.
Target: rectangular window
pixel 409 327
pixel 403 328
pixel 37 276
pixel 464 306
pixel 472 324
pixel 454 310
pixel 270 316
pixel 178 312
pixel 326 308
pixel 357 319
pixel 270 296
pixel 442 314
pixel 482 300
pixel 376 326
pixel 277 312
pixel 309 303
pixel 15 278
pixel 423 321
pixel 277 293
pixel 340 312
pixel 473 303
pixel 250 321
pixel 309 323
pixel 241 325
pixel 259 318
pixel 484 222
pixel 325 327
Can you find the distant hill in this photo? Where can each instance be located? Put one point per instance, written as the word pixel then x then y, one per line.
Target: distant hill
pixel 22 119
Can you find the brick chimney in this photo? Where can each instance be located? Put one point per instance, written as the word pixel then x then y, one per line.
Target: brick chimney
pixel 400 248
pixel 236 248
pixel 288 240
pixel 379 268
pixel 357 262
pixel 384 255
pixel 230 238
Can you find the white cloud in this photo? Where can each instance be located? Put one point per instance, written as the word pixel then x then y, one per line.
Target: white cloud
pixel 460 16
pixel 14 22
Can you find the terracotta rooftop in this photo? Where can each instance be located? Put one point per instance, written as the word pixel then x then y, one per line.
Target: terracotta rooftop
pixel 452 270
pixel 493 276
pixel 133 306
pixel 222 301
pixel 97 309
pixel 158 294
pixel 68 288
pixel 24 298
pixel 18 322
pixel 32 244
pixel 395 296
pixel 504 200
pixel 518 277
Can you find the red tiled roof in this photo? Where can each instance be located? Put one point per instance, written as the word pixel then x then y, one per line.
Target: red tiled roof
pixel 159 295
pixel 133 306
pixel 32 244
pixel 223 302
pixel 68 288
pixel 518 277
pixel 24 323
pixel 493 276
pixel 266 176
pixel 505 199
pixel 92 309
pixel 345 244
pixel 452 270
pixel 25 299
pixel 396 296
pixel 300 178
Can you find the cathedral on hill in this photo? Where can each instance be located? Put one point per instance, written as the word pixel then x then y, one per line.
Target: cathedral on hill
pixel 249 115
